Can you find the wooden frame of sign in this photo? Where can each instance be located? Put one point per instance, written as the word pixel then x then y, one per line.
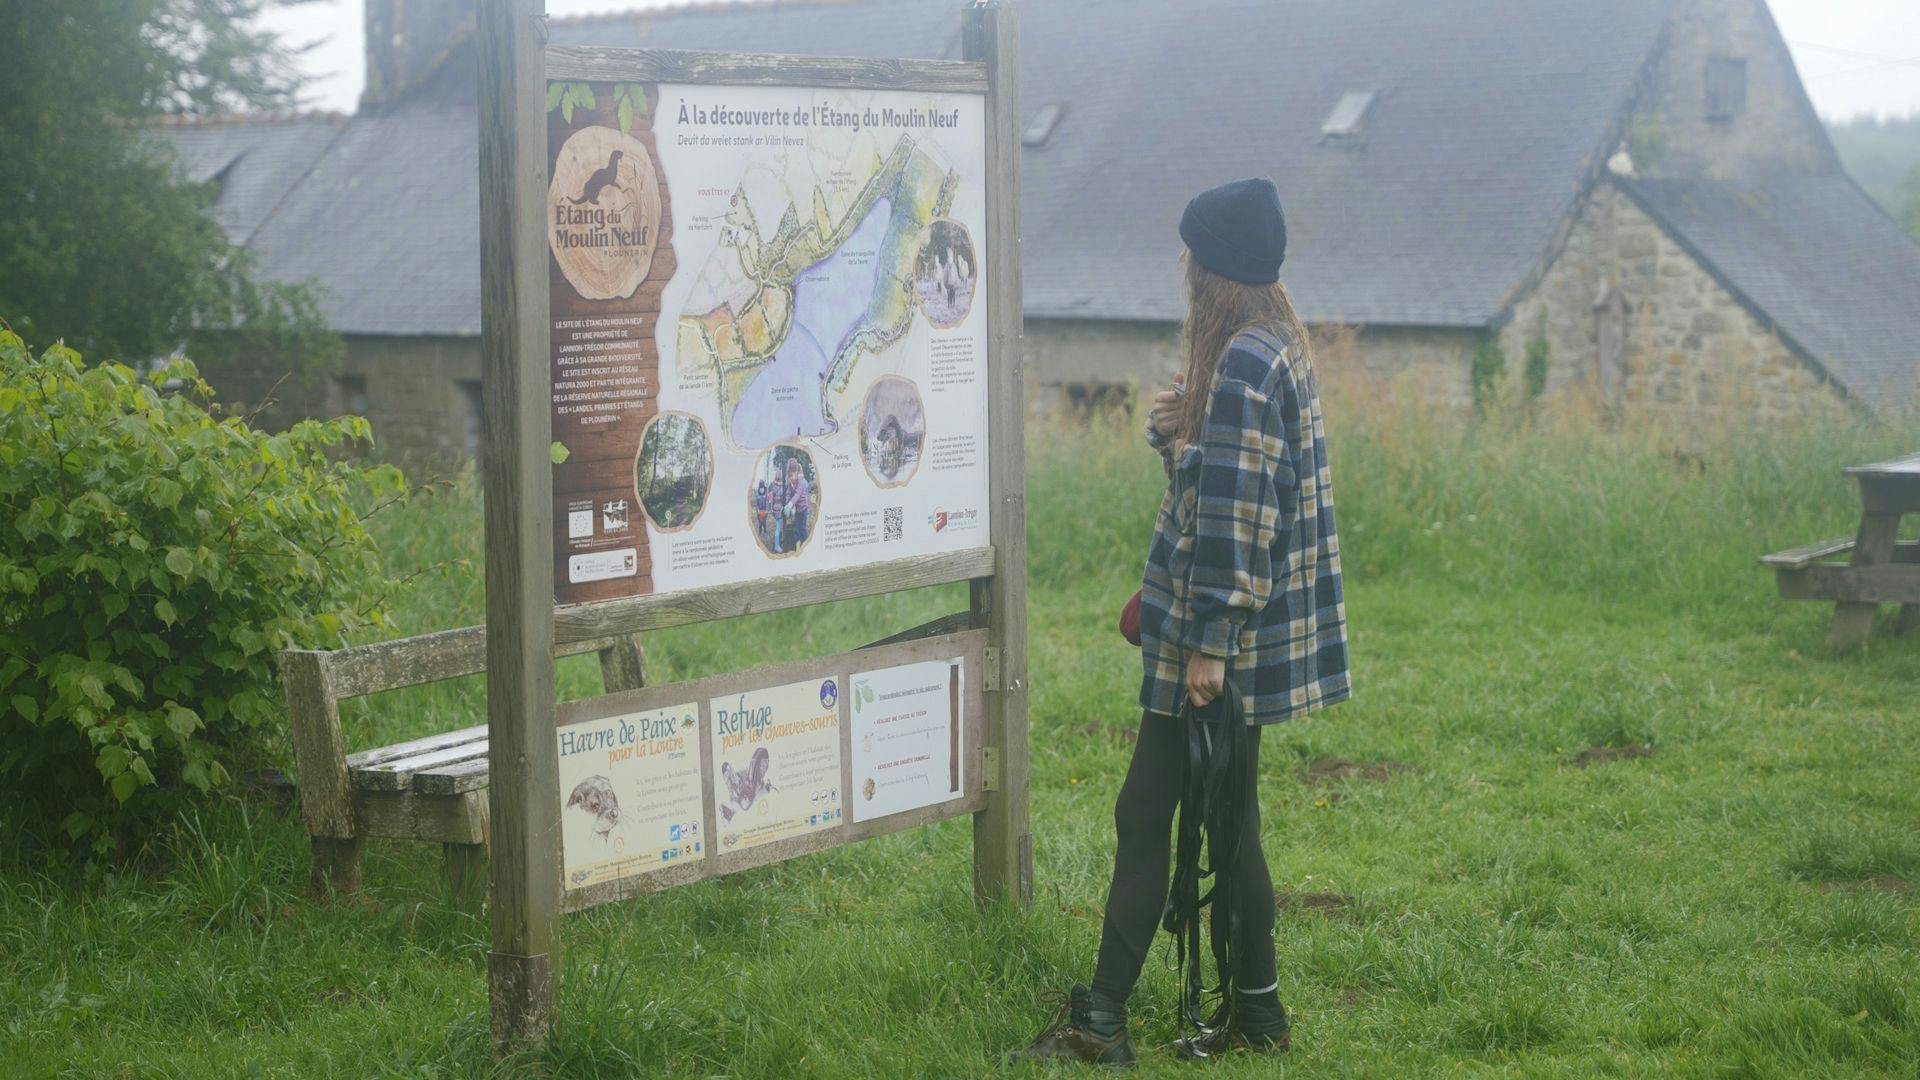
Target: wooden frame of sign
pixel 525 888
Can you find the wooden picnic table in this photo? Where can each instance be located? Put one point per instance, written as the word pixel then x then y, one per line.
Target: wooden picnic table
pixel 1882 570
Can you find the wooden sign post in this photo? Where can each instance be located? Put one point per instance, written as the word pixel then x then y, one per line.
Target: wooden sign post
pixel 751 341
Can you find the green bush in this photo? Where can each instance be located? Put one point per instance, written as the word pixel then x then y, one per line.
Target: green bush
pixel 1539 359
pixel 1488 373
pixel 154 556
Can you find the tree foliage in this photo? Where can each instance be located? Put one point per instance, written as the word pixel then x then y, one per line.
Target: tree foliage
pixel 154 558
pixel 100 243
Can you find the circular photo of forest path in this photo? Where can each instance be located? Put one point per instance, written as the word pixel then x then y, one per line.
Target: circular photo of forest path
pixel 674 471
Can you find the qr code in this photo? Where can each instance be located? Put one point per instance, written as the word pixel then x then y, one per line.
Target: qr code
pixel 893 521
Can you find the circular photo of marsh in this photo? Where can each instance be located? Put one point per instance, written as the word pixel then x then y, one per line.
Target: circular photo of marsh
pixel 944 273
pixel 783 505
pixel 674 470
pixel 893 430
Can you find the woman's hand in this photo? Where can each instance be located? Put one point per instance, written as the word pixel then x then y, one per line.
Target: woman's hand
pixel 1165 412
pixel 1206 678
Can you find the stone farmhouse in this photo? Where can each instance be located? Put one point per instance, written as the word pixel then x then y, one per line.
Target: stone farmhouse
pixel 1641 185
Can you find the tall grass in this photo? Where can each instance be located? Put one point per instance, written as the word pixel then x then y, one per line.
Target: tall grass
pixel 1614 502
pixel 1473 896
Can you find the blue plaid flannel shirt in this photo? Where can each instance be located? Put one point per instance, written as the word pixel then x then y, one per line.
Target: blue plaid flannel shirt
pixel 1245 563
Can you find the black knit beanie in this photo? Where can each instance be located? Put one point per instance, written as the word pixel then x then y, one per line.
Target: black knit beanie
pixel 1237 231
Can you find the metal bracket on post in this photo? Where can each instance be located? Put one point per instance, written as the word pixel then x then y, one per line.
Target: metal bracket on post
pixel 989 768
pixel 990 669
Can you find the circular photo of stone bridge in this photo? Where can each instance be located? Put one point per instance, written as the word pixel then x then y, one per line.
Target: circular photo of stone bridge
pixel 783 505
pixel 944 273
pixel 673 473
pixel 893 431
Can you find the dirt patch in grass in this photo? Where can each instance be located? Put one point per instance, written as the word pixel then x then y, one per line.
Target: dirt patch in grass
pixel 1881 883
pixel 1334 769
pixel 1607 755
pixel 1329 903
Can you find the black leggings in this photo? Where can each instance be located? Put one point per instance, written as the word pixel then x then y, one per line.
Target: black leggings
pixel 1143 818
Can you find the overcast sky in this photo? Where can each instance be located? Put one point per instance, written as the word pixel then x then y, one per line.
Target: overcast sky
pixel 1856 56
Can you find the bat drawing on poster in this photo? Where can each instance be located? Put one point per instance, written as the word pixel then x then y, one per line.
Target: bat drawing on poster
pixel 769 336
pixel 776 755
pixel 630 791
pixel 907 741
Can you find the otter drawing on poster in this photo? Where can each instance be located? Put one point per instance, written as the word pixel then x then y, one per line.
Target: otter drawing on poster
pixel 606 213
pixel 808 303
pixel 631 792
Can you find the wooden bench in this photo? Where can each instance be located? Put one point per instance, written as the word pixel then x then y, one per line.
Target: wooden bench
pixel 1880 569
pixel 432 788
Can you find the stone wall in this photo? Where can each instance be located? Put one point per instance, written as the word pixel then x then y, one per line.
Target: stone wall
pixel 1433 364
pixel 1690 350
pixel 418 394
pixel 1670 131
pixel 1070 360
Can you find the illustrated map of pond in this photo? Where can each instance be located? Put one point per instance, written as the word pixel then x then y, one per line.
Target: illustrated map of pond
pixel 781 321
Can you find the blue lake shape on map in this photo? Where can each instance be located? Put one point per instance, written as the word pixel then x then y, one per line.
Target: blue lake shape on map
pixel 830 303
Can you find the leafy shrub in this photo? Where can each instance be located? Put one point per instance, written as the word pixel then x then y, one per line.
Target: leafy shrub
pixel 1539 359
pixel 154 557
pixel 1489 371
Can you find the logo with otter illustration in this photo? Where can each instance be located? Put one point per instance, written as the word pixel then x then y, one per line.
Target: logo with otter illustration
pixel 603 213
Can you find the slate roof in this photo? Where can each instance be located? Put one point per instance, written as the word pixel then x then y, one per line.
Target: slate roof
pixel 1491 113
pixel 1490 119
pixel 1814 258
pixel 257 161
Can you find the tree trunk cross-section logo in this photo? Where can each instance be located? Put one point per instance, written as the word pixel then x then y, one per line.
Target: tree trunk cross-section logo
pixel 603 213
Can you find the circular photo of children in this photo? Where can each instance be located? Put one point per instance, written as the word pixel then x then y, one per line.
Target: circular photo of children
pixel 893 429
pixel 674 470
pixel 783 506
pixel 944 273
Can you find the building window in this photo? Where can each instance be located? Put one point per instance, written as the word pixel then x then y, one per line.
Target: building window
pixel 1726 88
pixel 470 397
pixel 1610 326
pixel 350 394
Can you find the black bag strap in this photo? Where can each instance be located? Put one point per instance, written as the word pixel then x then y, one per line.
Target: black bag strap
pixel 1217 812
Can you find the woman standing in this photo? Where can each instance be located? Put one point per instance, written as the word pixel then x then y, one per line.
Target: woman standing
pixel 1242 585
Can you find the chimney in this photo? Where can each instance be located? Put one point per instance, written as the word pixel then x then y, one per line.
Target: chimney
pixel 407 41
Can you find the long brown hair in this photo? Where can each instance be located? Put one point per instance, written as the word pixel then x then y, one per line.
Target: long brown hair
pixel 1217 309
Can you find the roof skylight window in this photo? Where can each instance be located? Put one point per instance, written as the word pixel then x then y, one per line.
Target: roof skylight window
pixel 1040 128
pixel 1349 114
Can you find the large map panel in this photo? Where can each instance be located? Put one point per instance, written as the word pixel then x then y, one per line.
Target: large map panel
pixel 768 357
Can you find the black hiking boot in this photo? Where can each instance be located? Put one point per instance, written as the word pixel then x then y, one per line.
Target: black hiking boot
pixel 1245 1025
pixel 1088 1028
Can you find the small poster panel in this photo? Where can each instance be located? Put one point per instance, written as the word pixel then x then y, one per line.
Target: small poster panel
pixel 776 762
pixel 906 737
pixel 630 794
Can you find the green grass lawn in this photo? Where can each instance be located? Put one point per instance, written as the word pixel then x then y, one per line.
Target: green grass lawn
pixel 1601 805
